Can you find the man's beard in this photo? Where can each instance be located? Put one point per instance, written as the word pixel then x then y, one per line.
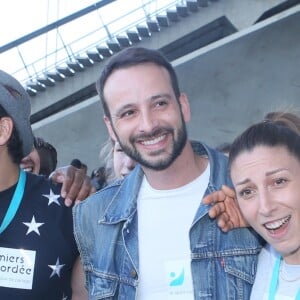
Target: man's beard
pixel 178 145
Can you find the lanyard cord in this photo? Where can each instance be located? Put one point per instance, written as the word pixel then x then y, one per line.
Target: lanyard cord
pixel 15 202
pixel 274 281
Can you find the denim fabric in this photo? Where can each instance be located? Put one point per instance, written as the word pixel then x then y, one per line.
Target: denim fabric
pixel 223 264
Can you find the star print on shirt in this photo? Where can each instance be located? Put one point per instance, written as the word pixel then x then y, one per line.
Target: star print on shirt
pixel 56 268
pixel 52 198
pixel 33 226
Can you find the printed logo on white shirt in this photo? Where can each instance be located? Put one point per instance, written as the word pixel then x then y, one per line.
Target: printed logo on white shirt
pixel 179 279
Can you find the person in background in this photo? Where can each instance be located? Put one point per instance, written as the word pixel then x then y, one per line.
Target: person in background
pixel 39 256
pixel 264 163
pixel 117 164
pixel 106 158
pixel 123 164
pixel 98 178
pixel 76 185
pixel 48 156
pixel 42 160
pixel 156 208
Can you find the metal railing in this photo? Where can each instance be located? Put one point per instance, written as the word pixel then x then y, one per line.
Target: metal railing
pixel 49 48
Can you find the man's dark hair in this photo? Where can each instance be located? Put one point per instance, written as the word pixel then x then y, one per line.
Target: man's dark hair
pixel 47 154
pixel 14 144
pixel 131 57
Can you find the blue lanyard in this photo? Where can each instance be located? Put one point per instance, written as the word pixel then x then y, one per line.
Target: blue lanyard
pixel 274 281
pixel 15 202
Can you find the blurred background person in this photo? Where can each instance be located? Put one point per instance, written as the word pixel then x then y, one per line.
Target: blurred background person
pixel 42 160
pixel 122 163
pixel 98 178
pixel 116 164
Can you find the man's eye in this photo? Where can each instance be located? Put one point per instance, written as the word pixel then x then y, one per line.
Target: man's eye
pixel 127 114
pixel 160 103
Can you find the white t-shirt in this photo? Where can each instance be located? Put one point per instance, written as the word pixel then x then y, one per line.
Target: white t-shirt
pixel 164 220
pixel 286 290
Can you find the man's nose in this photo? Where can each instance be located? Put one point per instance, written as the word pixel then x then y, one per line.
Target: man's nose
pixel 148 121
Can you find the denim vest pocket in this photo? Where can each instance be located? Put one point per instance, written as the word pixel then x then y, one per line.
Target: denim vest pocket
pixel 241 270
pixel 101 286
pixel 242 267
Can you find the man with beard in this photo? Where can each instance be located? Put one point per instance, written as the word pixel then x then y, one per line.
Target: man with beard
pixel 148 236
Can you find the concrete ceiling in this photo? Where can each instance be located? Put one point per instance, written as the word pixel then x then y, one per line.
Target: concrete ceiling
pixel 230 83
pixel 235 81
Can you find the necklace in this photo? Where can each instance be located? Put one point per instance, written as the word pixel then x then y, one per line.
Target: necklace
pixel 275 279
pixel 284 275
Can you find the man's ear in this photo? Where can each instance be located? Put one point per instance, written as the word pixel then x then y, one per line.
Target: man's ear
pixel 185 107
pixel 109 128
pixel 6 128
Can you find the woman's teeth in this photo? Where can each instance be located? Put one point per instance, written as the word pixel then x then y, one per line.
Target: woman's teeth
pixel 277 224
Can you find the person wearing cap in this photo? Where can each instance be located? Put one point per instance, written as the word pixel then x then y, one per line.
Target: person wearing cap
pixel 42 160
pixel 39 258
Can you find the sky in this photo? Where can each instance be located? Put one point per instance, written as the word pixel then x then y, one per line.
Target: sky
pixel 21 17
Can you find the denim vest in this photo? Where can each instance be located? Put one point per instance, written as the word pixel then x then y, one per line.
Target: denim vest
pixel 223 264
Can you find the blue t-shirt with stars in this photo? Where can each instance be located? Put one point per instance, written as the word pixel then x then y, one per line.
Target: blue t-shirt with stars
pixel 37 249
